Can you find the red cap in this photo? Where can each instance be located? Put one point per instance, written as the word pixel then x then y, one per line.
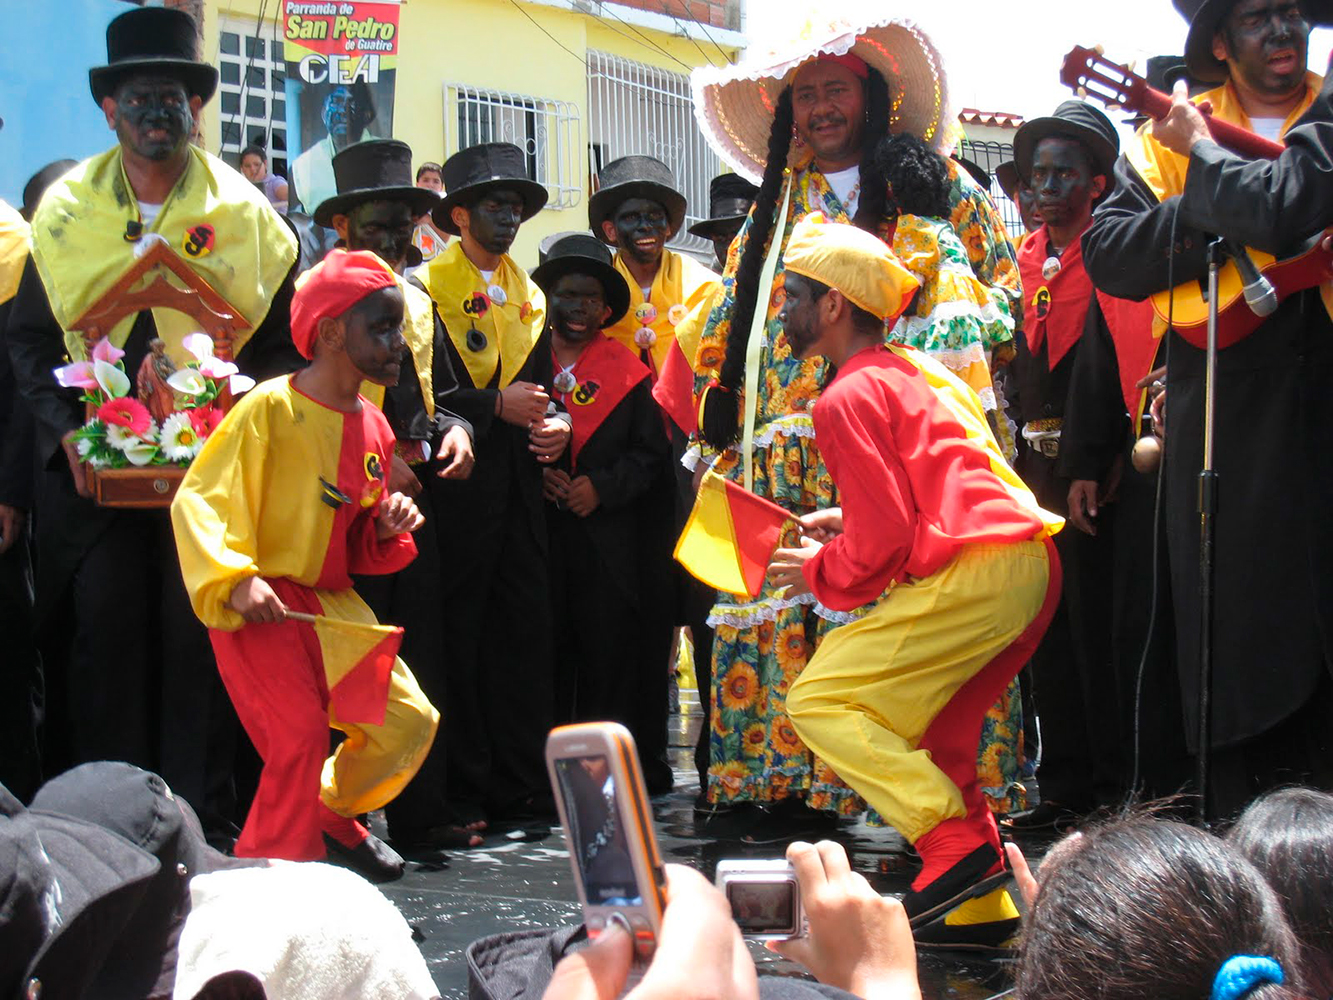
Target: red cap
pixel 849 61
pixel 331 287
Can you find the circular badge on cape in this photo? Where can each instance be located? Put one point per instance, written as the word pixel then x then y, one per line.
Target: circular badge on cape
pixel 1051 267
pixel 476 305
pixel 497 294
pixel 586 393
pixel 677 313
pixel 646 313
pixel 565 382
pixel 1041 302
pixel 199 240
pixel 525 312
pixel 476 340
pixel 645 338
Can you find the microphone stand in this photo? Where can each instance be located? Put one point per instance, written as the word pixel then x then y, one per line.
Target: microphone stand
pixel 1207 533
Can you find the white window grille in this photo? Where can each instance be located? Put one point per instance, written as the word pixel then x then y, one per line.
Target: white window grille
pixel 548 131
pixel 252 102
pixel 988 155
pixel 634 108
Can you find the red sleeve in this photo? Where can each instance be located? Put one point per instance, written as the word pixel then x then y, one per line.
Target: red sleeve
pixel 854 429
pixel 365 552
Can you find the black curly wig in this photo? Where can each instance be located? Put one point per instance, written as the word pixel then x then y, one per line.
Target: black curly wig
pixel 918 177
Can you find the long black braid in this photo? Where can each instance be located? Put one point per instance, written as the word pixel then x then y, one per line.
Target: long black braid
pixel 721 412
pixel 871 207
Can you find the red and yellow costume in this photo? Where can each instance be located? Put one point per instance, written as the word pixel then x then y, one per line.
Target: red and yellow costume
pixel 289 489
pixel 936 521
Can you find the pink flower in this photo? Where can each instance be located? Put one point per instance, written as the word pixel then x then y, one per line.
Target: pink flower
pixel 79 375
pixel 106 351
pixel 205 419
pixel 128 413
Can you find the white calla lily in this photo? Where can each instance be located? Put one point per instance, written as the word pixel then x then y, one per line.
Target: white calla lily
pixel 187 381
pixel 141 452
pixel 114 382
pixel 240 383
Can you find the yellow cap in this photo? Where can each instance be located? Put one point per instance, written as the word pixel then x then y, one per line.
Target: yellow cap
pixel 857 264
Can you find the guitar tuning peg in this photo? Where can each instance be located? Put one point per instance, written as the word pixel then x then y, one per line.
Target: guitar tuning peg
pixel 1099 49
pixel 1082 93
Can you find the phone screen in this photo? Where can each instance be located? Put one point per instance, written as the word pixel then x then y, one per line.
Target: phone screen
pixel 596 832
pixel 761 906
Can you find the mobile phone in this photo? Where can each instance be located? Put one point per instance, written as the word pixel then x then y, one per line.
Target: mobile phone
pixel 605 813
pixel 765 898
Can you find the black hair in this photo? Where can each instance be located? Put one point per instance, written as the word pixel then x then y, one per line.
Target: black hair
pixel 917 176
pixel 429 167
pixel 1288 835
pixel 720 422
pixel 1147 909
pixel 253 150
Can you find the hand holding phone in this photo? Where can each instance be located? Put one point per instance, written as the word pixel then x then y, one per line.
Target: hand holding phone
pixel 604 809
pixel 765 898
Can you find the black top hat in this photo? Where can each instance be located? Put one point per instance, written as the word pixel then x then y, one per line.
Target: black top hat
pixel 581 253
pixel 40 181
pixel 544 247
pixel 1074 120
pixel 1205 17
pixel 153 40
pixel 975 170
pixel 635 177
pixel 471 172
pixel 374 170
pixel 137 805
pixel 729 199
pixel 68 888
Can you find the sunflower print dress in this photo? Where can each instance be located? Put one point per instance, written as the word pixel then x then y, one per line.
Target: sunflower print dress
pixel 761 645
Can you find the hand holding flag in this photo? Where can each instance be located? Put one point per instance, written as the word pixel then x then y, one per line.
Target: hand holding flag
pixel 730 537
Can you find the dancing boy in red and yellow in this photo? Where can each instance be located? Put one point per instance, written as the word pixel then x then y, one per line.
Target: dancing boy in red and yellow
pixel 933 519
pixel 287 499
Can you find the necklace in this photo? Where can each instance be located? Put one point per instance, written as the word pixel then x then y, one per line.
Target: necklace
pixel 565 380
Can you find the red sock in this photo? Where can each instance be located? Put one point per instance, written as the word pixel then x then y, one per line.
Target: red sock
pixel 344 829
pixel 947 844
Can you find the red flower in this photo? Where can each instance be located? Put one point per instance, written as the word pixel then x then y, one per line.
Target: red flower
pixel 128 413
pixel 205 419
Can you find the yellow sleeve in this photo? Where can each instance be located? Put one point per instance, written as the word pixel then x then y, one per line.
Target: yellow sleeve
pixel 215 515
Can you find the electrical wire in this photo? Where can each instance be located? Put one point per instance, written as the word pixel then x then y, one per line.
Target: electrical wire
pixel 246 59
pixel 552 37
pixel 686 31
pixel 646 41
pixel 704 28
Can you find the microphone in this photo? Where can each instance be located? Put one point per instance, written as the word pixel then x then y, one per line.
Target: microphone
pixel 1259 293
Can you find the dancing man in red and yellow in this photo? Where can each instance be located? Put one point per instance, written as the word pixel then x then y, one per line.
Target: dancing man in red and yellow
pixel 933 519
pixel 287 499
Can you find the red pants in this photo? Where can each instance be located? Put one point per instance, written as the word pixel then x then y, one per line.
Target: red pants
pixel 275 677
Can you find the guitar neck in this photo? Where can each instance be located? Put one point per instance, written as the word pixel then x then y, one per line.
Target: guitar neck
pixel 1232 137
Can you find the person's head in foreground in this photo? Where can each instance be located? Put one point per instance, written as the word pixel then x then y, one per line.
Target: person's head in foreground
pixel 1145 908
pixel 1288 835
pixel 584 293
pixel 842 286
pixel 347 318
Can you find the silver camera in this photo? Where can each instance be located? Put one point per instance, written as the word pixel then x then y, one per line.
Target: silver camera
pixel 765 898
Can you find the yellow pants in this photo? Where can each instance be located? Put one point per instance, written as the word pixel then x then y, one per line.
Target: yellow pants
pixel 938 650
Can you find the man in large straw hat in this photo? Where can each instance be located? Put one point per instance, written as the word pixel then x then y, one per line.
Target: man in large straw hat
pixel 820 103
pixel 931 511
pixel 141 682
pixel 1272 687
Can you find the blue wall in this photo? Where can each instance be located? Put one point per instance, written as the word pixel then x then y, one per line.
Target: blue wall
pixel 44 99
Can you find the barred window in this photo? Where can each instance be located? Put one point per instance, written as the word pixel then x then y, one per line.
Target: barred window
pixel 253 77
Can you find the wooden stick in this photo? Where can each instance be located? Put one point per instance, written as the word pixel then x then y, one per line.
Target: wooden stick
pixel 301 616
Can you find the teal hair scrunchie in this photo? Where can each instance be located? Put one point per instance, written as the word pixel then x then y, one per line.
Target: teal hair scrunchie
pixel 1242 973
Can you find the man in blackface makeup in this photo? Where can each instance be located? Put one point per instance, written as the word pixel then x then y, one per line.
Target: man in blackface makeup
pixel 493 551
pixel 1272 671
pixel 140 682
pixel 347 112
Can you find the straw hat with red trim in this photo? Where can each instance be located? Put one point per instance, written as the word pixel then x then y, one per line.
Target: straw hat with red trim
pixel 735 105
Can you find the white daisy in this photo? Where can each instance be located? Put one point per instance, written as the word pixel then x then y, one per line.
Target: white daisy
pixel 180 442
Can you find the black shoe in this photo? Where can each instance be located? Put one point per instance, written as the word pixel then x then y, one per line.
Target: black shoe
pixel 1043 816
pixel 967 879
pixel 445 837
pixel 373 858
pixel 986 926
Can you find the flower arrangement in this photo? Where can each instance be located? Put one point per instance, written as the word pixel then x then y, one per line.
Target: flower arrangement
pixel 122 430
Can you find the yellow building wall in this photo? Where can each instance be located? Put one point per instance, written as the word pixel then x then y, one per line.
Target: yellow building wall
pixel 491 44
